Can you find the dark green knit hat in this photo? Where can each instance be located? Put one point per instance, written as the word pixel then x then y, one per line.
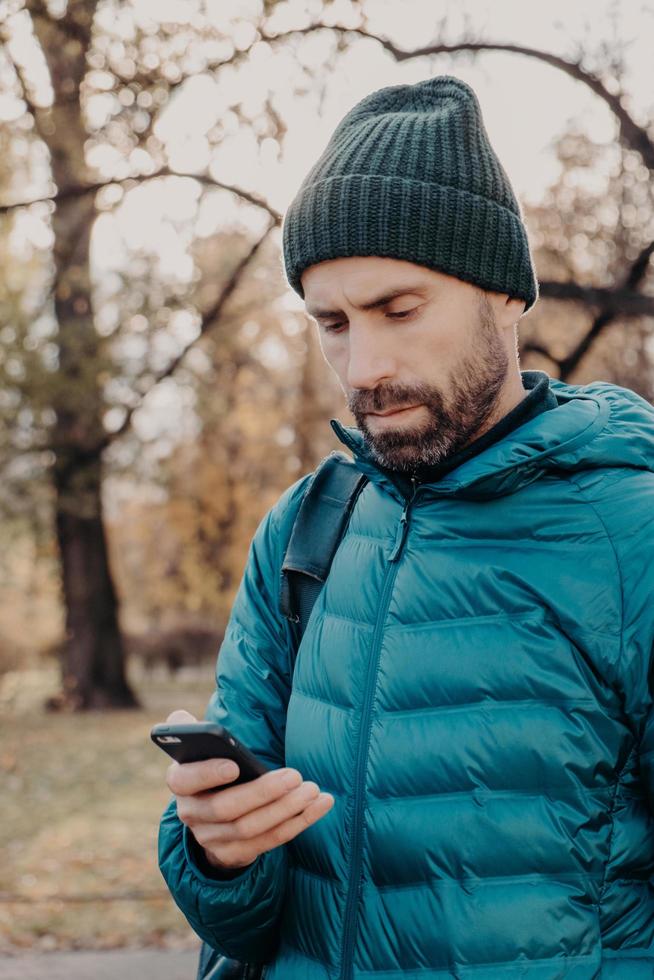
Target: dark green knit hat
pixel 409 173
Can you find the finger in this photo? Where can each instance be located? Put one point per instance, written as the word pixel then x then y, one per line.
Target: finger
pixel 200 811
pixel 291 828
pixel 241 852
pixel 180 717
pixel 265 818
pixel 188 778
pixel 235 802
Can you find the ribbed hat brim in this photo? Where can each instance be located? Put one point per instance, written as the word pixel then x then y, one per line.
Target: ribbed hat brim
pixel 444 228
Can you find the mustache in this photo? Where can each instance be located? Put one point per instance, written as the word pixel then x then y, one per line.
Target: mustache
pixel 386 397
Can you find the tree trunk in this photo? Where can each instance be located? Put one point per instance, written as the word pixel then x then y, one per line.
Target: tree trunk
pixel 93 658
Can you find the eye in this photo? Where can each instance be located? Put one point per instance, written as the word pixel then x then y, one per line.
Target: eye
pixel 403 315
pixel 400 315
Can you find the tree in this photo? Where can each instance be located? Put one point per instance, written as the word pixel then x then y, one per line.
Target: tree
pixel 594 232
pixel 109 87
pixel 83 365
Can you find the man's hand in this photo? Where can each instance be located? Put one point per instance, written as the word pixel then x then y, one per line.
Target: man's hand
pixel 235 825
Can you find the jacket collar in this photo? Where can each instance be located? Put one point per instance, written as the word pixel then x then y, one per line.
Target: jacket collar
pixel 553 438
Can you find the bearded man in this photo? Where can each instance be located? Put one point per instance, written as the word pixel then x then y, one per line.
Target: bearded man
pixel 473 692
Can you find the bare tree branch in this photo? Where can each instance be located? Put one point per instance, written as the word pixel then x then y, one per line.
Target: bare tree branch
pixel 622 301
pixel 635 275
pixel 610 312
pixel 209 318
pixel 632 135
pixel 75 191
pixel 533 347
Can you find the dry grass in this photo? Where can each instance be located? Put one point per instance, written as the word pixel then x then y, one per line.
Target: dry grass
pixel 79 811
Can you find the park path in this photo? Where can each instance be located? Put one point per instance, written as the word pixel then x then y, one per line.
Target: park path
pixel 137 964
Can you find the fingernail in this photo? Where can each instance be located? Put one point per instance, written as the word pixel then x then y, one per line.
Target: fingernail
pixel 291 778
pixel 228 769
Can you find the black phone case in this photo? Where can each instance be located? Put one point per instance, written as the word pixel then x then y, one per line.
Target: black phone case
pixel 208 740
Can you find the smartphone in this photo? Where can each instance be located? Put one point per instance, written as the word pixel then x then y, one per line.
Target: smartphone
pixel 200 740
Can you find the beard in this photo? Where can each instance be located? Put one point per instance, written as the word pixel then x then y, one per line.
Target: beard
pixel 454 421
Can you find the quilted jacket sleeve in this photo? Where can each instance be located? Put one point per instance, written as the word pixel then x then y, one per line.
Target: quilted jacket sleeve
pixel 647 759
pixel 635 548
pixel 238 916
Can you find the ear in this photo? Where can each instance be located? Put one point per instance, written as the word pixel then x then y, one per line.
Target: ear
pixel 510 310
pixel 516 306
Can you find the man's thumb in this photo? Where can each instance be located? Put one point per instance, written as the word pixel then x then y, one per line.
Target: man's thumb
pixel 180 717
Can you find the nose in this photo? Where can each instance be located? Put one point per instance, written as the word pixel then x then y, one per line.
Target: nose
pixel 368 363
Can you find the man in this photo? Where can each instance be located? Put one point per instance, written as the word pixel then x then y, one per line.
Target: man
pixel 472 693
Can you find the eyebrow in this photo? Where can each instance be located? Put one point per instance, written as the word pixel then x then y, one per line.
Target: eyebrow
pixel 372 304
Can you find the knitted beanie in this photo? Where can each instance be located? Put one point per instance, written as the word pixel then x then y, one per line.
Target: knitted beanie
pixel 409 173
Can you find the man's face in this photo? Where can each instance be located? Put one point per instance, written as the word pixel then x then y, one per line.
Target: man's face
pixel 423 371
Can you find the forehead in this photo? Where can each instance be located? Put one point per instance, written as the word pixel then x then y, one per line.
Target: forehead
pixel 330 286
pixel 382 297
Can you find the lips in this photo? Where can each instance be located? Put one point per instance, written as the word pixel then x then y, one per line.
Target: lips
pixel 392 411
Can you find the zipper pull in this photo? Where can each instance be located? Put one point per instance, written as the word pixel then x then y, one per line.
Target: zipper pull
pixel 403 525
pixel 400 536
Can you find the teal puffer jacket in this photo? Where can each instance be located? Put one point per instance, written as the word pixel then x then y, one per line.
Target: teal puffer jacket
pixel 473 688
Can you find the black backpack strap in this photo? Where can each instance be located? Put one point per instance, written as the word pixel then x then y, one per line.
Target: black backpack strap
pixel 326 507
pixel 214 966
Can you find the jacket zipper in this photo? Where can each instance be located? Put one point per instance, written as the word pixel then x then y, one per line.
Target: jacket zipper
pixel 355 881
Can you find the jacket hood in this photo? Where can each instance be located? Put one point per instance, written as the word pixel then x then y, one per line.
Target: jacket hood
pixel 596 425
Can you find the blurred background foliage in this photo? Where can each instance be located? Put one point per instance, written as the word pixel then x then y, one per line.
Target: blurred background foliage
pixel 160 385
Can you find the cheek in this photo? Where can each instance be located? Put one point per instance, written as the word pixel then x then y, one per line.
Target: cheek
pixel 335 353
pixel 438 354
